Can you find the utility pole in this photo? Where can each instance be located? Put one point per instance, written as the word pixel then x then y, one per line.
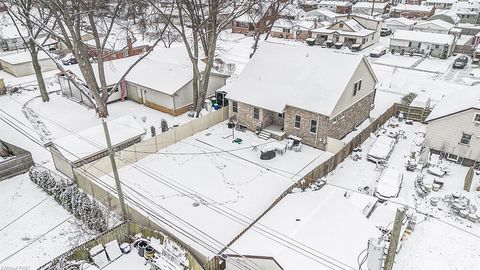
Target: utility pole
pixel 111 153
pixel 392 247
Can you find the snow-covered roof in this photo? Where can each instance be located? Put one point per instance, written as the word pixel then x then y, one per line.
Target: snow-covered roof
pixel 457 101
pixel 426 37
pixel 354 25
pixel 309 78
pixel 322 221
pixel 289 24
pixel 400 20
pixel 442 13
pixel 21 57
pixel 91 141
pixel 165 70
pixel 465 40
pixel 9 31
pixel 440 23
pixel 370 4
pixel 441 1
pixel 335 3
pixel 323 12
pixel 418 8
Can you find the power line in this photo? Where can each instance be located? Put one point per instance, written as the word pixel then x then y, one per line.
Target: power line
pixel 24 213
pixel 243 222
pixel 166 222
pixel 220 211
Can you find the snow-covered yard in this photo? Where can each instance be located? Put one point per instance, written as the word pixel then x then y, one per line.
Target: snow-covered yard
pixel 80 117
pixel 26 214
pixel 434 244
pixel 217 186
pixel 396 60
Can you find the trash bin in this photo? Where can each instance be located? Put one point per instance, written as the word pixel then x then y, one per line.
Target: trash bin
pixel 141 248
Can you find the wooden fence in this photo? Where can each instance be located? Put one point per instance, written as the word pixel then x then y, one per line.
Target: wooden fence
pixel 412 113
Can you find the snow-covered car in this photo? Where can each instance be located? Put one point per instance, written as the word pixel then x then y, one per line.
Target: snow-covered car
pixel 381 149
pixel 389 184
pixel 69 59
pixel 385 32
pixel 460 62
pixel 378 51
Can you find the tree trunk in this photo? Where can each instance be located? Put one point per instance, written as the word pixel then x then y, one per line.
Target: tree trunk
pixel 206 74
pixel 38 71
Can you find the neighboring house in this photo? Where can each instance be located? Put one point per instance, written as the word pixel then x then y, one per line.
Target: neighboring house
pixel 10 39
pixel 323 15
pixel 433 26
pixel 273 96
pixel 162 81
pixel 454 126
pixel 436 45
pixel 309 5
pixel 399 24
pixel 341 7
pixel 467 11
pixel 369 22
pixel 19 64
pixel 89 145
pixel 118 46
pixel 290 29
pixel 446 16
pixel 468 28
pixel 368 7
pixel 254 20
pixel 440 4
pixel 347 32
pixel 465 44
pixel 328 220
pixel 410 2
pixel 412 11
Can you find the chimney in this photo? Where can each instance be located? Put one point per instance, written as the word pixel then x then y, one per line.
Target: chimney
pixel 130 46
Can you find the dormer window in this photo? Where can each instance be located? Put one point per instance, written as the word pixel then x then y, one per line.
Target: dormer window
pixel 340 25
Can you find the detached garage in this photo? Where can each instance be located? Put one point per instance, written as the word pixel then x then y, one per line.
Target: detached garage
pixel 162 81
pixel 20 64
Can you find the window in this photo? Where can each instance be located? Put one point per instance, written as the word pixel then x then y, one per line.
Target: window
pixel 313 126
pixel 340 25
pixel 356 87
pixel 437 46
pixel 256 113
pixel 285 30
pixel 281 115
pixel 234 107
pixel 125 54
pixel 466 138
pixel 477 118
pixel 297 121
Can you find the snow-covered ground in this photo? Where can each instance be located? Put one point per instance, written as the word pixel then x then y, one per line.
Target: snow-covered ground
pixel 27 213
pixel 210 182
pixel 80 117
pixel 433 244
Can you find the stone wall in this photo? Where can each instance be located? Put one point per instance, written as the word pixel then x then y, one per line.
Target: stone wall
pixel 345 122
pixel 309 138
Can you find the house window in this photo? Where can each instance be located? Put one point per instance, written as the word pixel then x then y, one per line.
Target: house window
pixel 356 87
pixel 466 138
pixel 437 46
pixel 297 121
pixel 256 113
pixel 285 30
pixel 340 25
pixel 477 118
pixel 234 107
pixel 313 126
pixel 281 115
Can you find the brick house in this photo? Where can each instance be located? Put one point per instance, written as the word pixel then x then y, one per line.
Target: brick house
pixel 312 93
pixel 256 19
pixel 412 11
pixel 292 29
pixel 119 47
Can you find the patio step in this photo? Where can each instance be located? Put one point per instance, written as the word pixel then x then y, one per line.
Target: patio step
pixel 264 135
pixel 75 99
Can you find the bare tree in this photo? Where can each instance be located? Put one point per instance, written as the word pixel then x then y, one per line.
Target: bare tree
pixel 200 23
pixel 23 13
pixel 264 15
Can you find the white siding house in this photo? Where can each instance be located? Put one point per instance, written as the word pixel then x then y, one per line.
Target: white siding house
pixel 434 26
pixel 433 44
pixel 454 126
pixel 399 24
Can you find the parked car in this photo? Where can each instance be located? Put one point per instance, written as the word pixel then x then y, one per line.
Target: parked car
pixel 385 32
pixel 69 59
pixel 378 51
pixel 460 62
pixel 389 184
pixel 381 149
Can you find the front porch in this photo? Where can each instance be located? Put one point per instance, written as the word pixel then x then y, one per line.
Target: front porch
pixel 276 131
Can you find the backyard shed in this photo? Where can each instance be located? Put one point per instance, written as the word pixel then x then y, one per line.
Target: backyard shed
pixel 20 63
